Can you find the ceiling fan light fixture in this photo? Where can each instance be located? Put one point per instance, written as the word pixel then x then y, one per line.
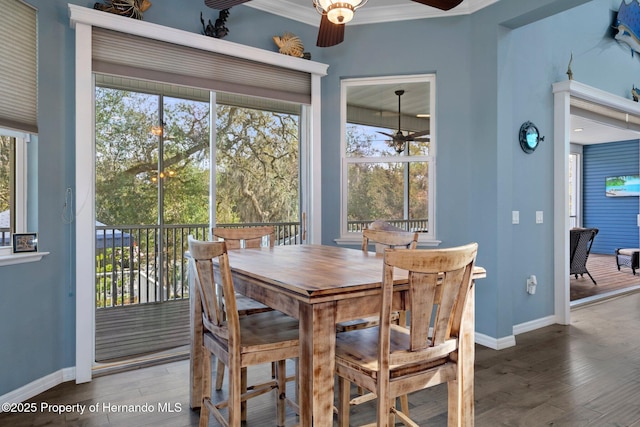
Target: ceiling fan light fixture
pixel 338 12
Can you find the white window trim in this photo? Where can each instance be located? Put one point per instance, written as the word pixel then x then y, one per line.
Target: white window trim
pixel 82 19
pixel 353 238
pixel 20 213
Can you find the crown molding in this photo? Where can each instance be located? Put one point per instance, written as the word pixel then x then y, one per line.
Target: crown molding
pixel 369 14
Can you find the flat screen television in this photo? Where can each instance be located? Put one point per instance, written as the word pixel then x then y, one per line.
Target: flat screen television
pixel 622 186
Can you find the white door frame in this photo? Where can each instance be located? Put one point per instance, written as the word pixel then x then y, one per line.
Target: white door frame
pixel 563 93
pixel 83 19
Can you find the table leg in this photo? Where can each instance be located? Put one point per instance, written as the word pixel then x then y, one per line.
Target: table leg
pixel 317 363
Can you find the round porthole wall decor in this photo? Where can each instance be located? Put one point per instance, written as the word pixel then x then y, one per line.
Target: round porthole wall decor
pixel 529 137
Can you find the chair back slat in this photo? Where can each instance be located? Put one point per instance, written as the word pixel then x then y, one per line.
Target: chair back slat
pixel 245 237
pixel 220 319
pixel 439 280
pixel 384 239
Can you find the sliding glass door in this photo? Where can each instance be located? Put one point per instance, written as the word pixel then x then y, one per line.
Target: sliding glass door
pixel 155 186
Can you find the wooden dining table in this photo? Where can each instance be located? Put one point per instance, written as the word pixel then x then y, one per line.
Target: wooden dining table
pixel 321 286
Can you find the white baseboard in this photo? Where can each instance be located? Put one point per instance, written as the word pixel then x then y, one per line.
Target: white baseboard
pixel 534 324
pixel 510 341
pixel 495 343
pixel 38 386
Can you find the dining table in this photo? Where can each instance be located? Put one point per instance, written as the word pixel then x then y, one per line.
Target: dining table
pixel 322 285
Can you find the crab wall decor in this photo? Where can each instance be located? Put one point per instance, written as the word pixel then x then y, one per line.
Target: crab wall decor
pixel 128 8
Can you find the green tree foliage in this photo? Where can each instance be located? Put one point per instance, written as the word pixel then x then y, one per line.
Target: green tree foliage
pixel 376 189
pixel 257 177
pixel 256 161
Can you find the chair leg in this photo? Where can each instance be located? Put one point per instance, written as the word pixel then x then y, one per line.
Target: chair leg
pixel 206 388
pixel 235 393
pixel 594 282
pixel 344 395
pixel 404 404
pixel 219 375
pixel 454 394
pixel 281 378
pixel 243 389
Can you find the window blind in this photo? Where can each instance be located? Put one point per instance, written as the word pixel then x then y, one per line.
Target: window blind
pixel 18 67
pixel 126 55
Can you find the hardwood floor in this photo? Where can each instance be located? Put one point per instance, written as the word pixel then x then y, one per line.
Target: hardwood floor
pixel 585 374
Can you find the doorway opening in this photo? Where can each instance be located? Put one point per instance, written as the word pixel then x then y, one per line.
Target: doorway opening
pixel 611 118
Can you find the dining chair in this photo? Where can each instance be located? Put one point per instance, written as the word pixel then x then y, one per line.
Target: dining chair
pixel 391 360
pixel 237 238
pixel 237 341
pixel 245 237
pixel 381 239
pixel 382 235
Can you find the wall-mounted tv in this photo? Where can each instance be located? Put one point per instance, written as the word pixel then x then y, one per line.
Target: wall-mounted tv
pixel 622 186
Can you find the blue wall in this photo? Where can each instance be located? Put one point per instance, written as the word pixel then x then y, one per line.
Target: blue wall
pixel 494 71
pixel 615 217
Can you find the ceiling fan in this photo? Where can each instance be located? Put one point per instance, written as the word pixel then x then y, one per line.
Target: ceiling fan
pixel 399 139
pixel 331 31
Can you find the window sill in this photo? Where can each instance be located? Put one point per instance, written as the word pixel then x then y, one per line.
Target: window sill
pixel 356 240
pixel 10 259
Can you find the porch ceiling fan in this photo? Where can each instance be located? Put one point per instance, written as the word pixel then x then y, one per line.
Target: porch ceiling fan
pixel 334 15
pixel 399 139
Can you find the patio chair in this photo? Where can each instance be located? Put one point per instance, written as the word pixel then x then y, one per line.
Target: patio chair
pixel 580 241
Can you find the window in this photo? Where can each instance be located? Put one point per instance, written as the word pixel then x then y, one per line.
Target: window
pixel 574 190
pixel 18 116
pixel 388 154
pixel 12 187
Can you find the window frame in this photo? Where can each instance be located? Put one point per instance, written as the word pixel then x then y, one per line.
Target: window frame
pixel 425 238
pixel 20 185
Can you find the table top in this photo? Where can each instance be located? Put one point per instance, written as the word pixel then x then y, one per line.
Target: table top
pixel 315 271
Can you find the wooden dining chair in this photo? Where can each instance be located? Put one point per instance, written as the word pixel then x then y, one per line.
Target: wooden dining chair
pixel 383 236
pixel 245 237
pixel 391 360
pixel 237 238
pixel 238 341
pixel 381 239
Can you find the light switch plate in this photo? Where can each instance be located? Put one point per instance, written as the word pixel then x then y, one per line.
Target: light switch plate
pixel 515 217
pixel 539 217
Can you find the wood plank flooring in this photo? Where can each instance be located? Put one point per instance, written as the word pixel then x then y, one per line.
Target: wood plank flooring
pixel 585 374
pixel 608 278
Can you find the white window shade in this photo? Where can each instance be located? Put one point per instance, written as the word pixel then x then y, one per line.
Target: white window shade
pixel 18 67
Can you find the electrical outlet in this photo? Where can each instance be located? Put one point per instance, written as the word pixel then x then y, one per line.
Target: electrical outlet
pixel 532 282
pixel 515 217
pixel 538 217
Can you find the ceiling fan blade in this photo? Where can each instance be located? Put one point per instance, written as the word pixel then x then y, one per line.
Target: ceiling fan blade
pixel 440 4
pixel 329 34
pixel 421 133
pixel 387 134
pixel 223 4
